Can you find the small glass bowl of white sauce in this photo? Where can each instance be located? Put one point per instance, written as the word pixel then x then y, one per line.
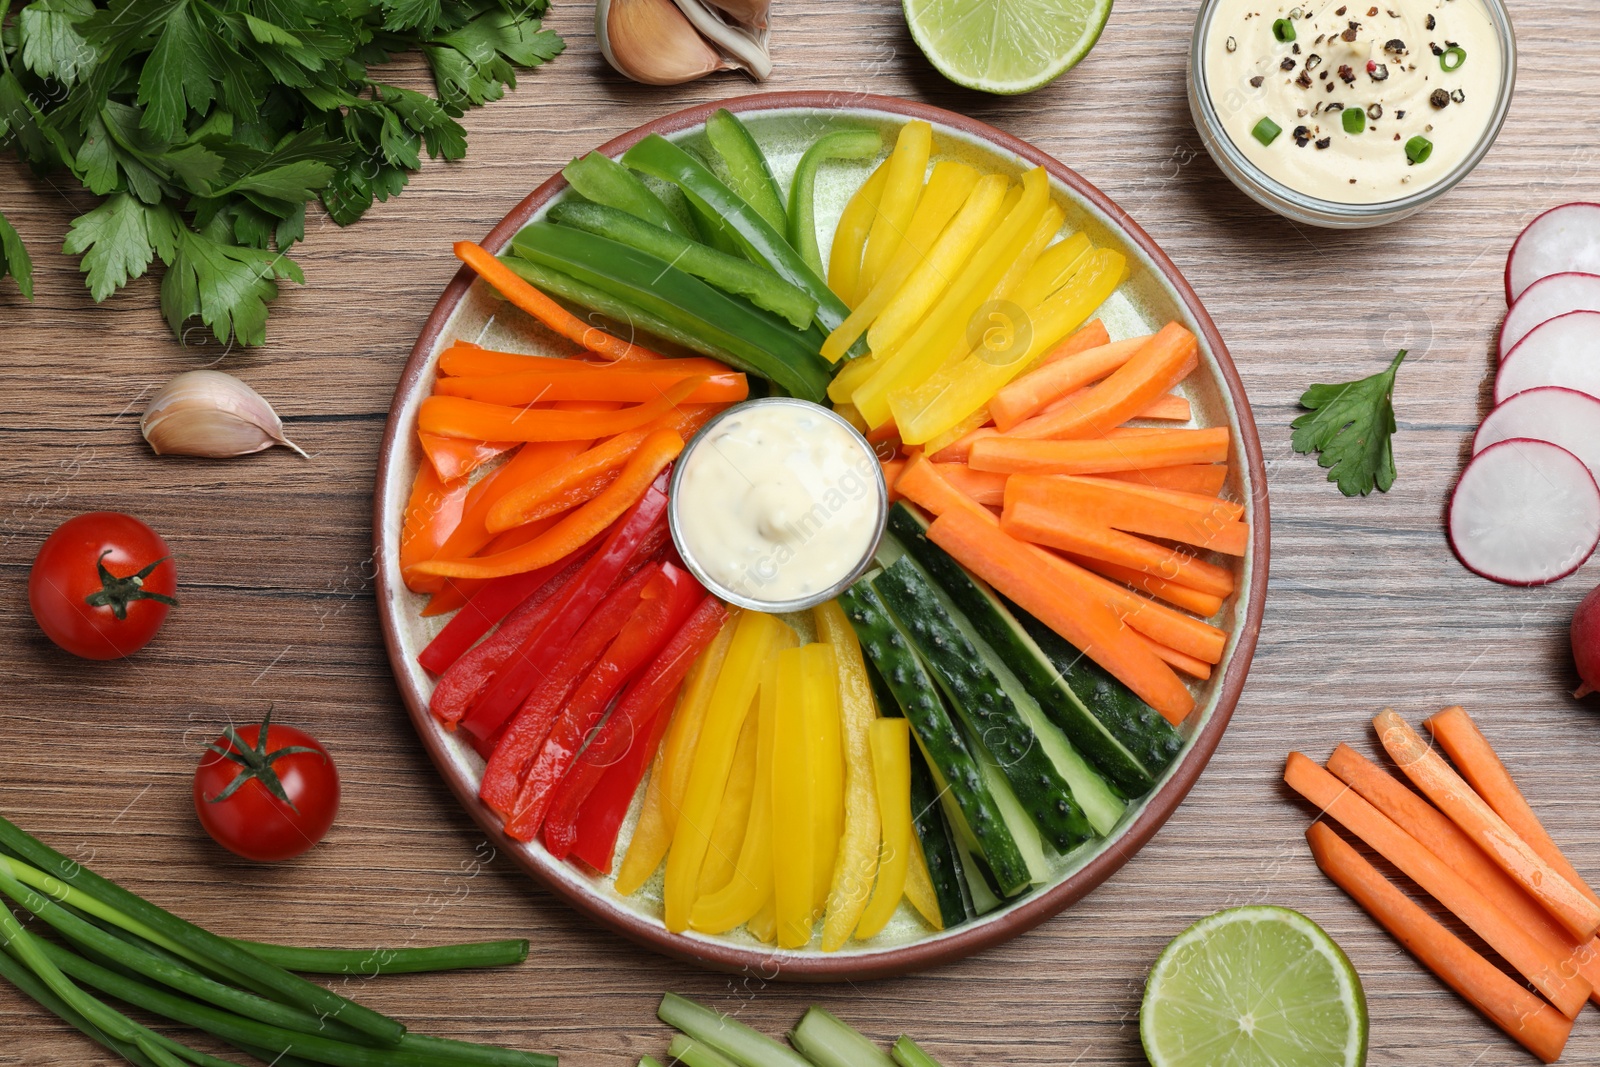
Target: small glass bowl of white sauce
pixel 1280 132
pixel 777 505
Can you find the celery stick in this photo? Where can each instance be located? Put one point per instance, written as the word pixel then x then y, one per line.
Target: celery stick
pixel 907 1054
pixel 828 1042
pixel 733 1039
pixel 687 1050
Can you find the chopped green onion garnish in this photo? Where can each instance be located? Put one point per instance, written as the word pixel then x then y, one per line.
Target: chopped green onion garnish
pixel 1283 30
pixel 1452 58
pixel 1355 120
pixel 1266 131
pixel 1418 149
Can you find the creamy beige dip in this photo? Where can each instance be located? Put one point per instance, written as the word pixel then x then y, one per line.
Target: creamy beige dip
pixel 778 502
pixel 1386 60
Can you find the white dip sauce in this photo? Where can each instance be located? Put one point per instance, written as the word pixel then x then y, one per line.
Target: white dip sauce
pixel 778 502
pixel 1421 72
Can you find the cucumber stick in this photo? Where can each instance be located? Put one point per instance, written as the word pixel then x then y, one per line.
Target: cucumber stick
pixel 973 812
pixel 1001 630
pixel 1139 727
pixel 1007 731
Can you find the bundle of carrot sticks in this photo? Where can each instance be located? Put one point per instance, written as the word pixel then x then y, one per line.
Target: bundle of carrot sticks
pixel 1472 843
pixel 1089 524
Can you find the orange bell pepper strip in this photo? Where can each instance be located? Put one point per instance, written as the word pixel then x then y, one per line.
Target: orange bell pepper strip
pixel 528 501
pixel 454 458
pixel 431 514
pixel 613 382
pixel 454 416
pixel 576 528
pixel 511 286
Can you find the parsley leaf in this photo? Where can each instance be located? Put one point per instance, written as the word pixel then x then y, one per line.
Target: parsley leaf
pixel 1352 426
pixel 14 258
pixel 52 46
pixel 117 241
pixel 229 286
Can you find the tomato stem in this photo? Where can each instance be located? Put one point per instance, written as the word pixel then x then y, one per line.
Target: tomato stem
pixel 117 593
pixel 256 762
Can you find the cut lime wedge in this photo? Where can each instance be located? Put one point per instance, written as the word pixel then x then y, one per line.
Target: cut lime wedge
pixel 1005 46
pixel 1254 987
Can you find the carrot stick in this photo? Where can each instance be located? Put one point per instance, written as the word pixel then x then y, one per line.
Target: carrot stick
pixel 575 529
pixel 523 503
pixel 1442 785
pixel 960 451
pixel 1459 736
pixel 511 286
pixel 1206 479
pixel 1076 613
pixel 1194 668
pixel 921 483
pixel 1202 504
pixel 466 360
pixel 1168 448
pixel 1529 958
pixel 1204 605
pixel 608 382
pixel 1091 334
pixel 1045 525
pixel 1133 510
pixel 1160 363
pixel 1059 374
pixel 454 416
pixel 986 488
pixel 1528 1020
pixel 455 457
pixel 1436 833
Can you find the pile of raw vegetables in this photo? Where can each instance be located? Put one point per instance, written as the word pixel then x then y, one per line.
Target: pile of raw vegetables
pixel 1048 529
pixel 1472 843
pixel 242 993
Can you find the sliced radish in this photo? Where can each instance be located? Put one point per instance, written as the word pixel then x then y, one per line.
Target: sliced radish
pixel 1524 513
pixel 1564 351
pixel 1565 238
pixel 1544 300
pixel 1562 417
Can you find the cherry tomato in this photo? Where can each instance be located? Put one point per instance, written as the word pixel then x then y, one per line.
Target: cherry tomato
pixel 101 585
pixel 266 792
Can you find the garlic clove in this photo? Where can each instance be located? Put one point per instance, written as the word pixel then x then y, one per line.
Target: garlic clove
pixel 652 42
pixel 752 13
pixel 746 46
pixel 211 414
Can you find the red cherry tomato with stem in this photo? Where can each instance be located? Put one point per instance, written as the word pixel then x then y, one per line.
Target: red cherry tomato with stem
pixel 101 585
pixel 266 792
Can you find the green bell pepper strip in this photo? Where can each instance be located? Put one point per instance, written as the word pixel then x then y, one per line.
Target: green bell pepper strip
pixel 602 179
pixel 728 273
pixel 660 158
pixel 841 144
pixel 763 344
pixel 749 176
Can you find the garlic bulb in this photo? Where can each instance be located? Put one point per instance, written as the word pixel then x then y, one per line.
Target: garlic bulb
pixel 660 42
pixel 211 414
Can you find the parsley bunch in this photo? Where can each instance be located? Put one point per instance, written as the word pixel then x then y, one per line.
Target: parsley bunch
pixel 208 125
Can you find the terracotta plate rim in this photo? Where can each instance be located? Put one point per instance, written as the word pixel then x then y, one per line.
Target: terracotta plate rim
pixel 935 951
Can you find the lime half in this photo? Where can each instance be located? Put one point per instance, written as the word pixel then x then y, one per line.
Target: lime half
pixel 1005 46
pixel 1254 987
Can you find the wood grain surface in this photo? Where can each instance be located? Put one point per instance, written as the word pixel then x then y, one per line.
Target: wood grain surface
pixel 1368 608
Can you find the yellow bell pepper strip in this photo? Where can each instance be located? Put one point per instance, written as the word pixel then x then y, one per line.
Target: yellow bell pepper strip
pixel 919 888
pixel 939 442
pixel 749 892
pixel 932 277
pixel 954 391
pixel 929 345
pixel 850 235
pixel 891 766
pixel 908 163
pixel 793 839
pixel 733 817
pixel 948 188
pixel 764 927
pixel 669 774
pixel 1055 268
pixel 757 636
pixel 824 735
pixel 858 849
pixel 851 377
pixel 455 416
pixel 577 526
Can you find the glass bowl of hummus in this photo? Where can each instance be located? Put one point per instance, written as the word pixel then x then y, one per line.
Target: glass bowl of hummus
pixel 1349 113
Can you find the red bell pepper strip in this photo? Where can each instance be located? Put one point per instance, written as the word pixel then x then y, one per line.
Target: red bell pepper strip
pixel 467 677
pixel 641 529
pixel 527 730
pixel 666 603
pixel 490 604
pixel 593 798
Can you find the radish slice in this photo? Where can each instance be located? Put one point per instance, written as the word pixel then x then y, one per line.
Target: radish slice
pixel 1565 238
pixel 1524 513
pixel 1563 417
pixel 1564 351
pixel 1544 300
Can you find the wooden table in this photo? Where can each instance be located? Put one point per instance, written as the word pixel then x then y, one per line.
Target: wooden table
pixel 1368 607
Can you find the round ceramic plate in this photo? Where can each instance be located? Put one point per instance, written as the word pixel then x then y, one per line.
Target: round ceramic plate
pixel 1155 293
